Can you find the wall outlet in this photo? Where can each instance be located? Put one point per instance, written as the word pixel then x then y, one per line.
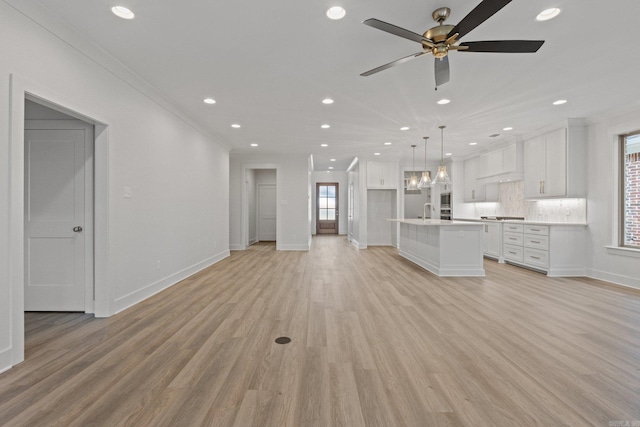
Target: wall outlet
pixel 158 265
pixel 127 192
pixel 568 212
pixel 215 243
pixel 461 233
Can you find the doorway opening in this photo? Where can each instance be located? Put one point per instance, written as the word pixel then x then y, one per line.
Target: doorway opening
pixel 97 300
pixel 327 208
pixel 260 222
pixel 58 211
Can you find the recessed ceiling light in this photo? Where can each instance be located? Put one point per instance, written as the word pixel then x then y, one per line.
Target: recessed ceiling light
pixel 332 160
pixel 254 145
pixel 330 167
pixel 560 102
pixel 473 143
pixel 122 12
pixel 507 128
pixel 387 143
pixel 336 12
pixel 376 154
pixel 324 145
pixel 325 126
pixel 444 101
pixel 235 125
pixel 547 14
pixel 447 154
pixel 327 101
pixel 209 101
pixel 404 128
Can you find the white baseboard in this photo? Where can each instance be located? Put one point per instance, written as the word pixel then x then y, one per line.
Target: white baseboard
pixel 618 279
pixel 5 360
pixel 134 298
pixel 235 247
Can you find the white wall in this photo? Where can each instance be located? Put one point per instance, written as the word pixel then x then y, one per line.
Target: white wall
pixel 616 266
pixel 178 214
pixel 292 198
pixel 354 179
pixel 343 191
pixel 381 206
pixel 252 203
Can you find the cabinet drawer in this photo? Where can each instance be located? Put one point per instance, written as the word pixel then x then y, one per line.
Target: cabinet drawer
pixel 514 253
pixel 536 241
pixel 536 258
pixel 513 238
pixel 514 228
pixel 537 229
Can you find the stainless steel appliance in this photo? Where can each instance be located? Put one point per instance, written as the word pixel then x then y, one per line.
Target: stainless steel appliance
pixel 445 206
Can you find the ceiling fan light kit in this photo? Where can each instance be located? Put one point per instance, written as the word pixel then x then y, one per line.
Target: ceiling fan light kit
pixel 441 39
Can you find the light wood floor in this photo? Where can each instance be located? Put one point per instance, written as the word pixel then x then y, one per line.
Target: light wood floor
pixel 376 341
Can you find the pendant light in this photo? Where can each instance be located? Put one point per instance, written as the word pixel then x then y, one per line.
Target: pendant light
pixel 425 181
pixel 442 178
pixel 413 181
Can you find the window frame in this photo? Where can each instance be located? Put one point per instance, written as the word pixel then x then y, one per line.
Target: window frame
pixel 622 139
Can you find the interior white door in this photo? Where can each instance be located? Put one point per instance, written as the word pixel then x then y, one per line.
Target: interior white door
pixel 54 208
pixel 267 213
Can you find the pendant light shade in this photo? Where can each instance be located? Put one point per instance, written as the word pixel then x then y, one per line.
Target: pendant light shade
pixel 413 181
pixel 442 177
pixel 425 180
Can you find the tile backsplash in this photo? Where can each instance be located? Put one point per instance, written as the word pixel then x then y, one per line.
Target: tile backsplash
pixel 511 202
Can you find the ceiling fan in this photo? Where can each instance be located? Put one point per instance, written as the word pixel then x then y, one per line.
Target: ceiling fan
pixel 442 38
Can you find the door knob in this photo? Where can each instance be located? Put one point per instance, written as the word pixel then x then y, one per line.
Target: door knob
pixel 77 229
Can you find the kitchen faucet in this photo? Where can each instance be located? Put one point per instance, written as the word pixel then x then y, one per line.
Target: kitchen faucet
pixel 424 211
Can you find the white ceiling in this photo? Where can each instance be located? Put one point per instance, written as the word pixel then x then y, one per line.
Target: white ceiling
pixel 269 64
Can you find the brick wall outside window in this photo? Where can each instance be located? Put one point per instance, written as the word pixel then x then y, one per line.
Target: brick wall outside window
pixel 632 194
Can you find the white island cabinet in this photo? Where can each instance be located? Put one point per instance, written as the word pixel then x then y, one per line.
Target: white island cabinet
pixel 445 248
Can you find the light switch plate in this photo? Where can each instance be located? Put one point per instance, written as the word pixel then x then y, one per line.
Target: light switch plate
pixel 127 192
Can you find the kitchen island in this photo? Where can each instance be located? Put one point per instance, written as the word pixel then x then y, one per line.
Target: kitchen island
pixel 445 248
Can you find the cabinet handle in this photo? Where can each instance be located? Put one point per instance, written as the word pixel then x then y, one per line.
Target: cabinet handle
pixel 535 241
pixel 486 228
pixel 473 194
pixel 535 229
pixel 513 253
pixel 542 187
pixel 512 238
pixel 535 257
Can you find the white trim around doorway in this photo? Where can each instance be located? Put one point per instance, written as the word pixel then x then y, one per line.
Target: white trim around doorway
pixel 21 89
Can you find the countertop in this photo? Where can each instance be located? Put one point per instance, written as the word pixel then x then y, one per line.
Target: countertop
pixel 433 222
pixel 519 221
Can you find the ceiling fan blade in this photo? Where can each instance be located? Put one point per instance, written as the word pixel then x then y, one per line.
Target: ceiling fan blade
pixel 442 70
pixel 477 16
pixel 503 46
pixel 397 31
pixel 394 63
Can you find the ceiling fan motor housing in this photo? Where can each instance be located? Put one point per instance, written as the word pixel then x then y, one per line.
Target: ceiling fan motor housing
pixel 438 34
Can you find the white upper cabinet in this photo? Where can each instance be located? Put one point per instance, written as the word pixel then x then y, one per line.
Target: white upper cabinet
pixel 474 191
pixel 555 163
pixel 503 164
pixel 382 175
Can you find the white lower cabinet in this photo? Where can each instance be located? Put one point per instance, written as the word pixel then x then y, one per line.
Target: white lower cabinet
pixel 558 250
pixel 492 235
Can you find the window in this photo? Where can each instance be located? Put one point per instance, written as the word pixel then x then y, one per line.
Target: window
pixel 630 191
